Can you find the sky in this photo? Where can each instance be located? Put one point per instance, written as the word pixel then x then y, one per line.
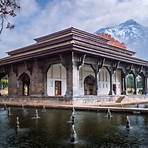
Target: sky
pixel 41 17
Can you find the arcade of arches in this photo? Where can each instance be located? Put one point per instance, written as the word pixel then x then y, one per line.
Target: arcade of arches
pixel 57 80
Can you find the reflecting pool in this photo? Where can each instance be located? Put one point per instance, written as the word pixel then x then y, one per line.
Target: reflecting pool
pixel 53 130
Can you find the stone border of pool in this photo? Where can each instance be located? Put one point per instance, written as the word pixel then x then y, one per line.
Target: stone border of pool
pixel 48 104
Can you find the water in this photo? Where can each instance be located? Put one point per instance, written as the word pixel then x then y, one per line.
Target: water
pixel 52 130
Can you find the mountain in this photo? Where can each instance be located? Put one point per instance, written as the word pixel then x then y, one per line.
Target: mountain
pixel 133 34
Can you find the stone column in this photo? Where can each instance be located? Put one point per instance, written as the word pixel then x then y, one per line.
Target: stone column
pixel 0 82
pixel 44 66
pixel 72 62
pixel 77 62
pixel 12 83
pixel 37 82
pixel 111 83
pixel 123 84
pixel 1 76
pixel 145 85
pixel 135 84
pixel 96 81
pixel 69 81
pixel 73 77
pixel 76 90
pixel 45 69
pixel 112 69
pixel 96 68
pixel 66 61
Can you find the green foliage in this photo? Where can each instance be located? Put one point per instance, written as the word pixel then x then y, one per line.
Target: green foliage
pixel 3 83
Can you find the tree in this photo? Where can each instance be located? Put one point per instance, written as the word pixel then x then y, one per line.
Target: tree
pixel 8 8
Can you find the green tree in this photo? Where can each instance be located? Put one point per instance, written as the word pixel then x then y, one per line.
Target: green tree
pixel 3 83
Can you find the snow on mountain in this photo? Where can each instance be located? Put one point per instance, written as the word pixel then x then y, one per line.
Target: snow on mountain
pixel 134 35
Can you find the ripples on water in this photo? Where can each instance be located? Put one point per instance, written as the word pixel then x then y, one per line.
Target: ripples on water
pixel 52 130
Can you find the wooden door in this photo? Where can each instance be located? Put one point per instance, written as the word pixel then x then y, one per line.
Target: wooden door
pixel 57 88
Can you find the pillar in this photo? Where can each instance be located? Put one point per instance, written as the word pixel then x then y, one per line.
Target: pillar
pixel 0 84
pixel 45 69
pixel 96 68
pixel 112 69
pixel 37 80
pixel 69 82
pixel 123 84
pixel 111 83
pixel 135 84
pixel 75 78
pixel 72 76
pixel 45 83
pixel 146 85
pixel 66 61
pixel 96 82
pixel 12 83
pixel 72 63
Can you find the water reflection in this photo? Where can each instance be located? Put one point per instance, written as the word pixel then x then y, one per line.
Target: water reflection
pixel 53 130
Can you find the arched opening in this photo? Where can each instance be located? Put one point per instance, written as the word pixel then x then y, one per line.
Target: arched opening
pixel 24 83
pixel 56 80
pixel 130 84
pixel 84 71
pixel 103 81
pixel 89 85
pixel 140 84
pixel 3 85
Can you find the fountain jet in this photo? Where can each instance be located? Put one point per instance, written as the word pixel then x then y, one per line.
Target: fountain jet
pixel 5 106
pixel 109 115
pixel 44 108
pixel 73 116
pixel 9 111
pixel 36 114
pixel 17 123
pixel 73 134
pixel 127 123
pixel 23 106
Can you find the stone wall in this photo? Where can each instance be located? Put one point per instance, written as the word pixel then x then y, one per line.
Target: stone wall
pixel 36 87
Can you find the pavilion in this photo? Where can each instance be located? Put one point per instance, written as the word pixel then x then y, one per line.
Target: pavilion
pixel 73 63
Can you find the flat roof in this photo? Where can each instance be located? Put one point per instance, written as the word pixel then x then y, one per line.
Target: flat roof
pixel 71 39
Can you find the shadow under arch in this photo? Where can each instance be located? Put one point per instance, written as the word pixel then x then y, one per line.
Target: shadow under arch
pixel 24 84
pixel 90 85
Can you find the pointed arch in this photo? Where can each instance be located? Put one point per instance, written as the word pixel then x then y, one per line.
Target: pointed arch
pixel 130 84
pixel 89 85
pixel 24 84
pixel 140 83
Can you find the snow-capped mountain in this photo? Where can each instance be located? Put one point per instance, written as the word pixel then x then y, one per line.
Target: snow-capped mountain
pixel 134 35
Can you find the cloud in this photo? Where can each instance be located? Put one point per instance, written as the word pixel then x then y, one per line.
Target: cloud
pixel 37 18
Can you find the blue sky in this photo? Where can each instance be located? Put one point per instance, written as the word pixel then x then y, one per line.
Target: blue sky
pixel 41 17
